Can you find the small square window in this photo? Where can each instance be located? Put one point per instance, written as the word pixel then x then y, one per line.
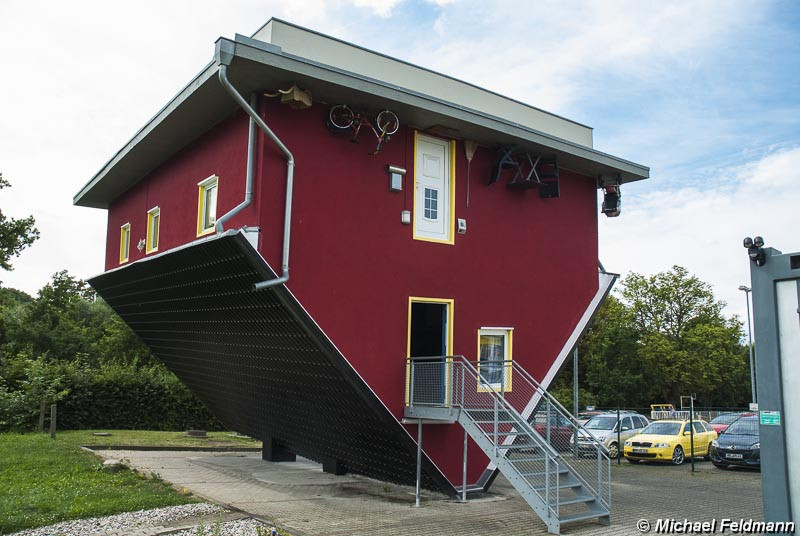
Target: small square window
pixel 207 205
pixel 124 243
pixel 153 223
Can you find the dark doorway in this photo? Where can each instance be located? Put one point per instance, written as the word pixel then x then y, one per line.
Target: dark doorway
pixel 429 332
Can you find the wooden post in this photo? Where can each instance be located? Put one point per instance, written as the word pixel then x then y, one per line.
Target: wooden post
pixel 42 409
pixel 52 421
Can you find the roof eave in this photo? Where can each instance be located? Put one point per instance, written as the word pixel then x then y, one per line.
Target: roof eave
pixel 250 62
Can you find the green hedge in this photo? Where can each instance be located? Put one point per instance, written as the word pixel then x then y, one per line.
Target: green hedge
pixel 111 397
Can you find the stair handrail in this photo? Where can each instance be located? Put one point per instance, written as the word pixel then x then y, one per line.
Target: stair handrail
pixel 552 456
pixel 518 418
pixel 602 458
pixel 564 411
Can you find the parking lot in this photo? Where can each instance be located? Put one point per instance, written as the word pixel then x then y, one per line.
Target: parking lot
pixel 302 499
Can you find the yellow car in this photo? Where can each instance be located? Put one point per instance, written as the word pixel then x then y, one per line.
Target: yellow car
pixel 668 441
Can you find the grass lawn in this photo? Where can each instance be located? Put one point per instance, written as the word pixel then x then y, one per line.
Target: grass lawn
pixel 43 481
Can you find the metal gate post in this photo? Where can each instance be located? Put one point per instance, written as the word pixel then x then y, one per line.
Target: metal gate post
pixel 419 458
pixel 464 471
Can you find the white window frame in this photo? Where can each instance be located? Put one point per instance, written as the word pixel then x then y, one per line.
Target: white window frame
pixel 508 346
pixel 206 227
pixel 124 243
pixel 153 214
pixel 446 201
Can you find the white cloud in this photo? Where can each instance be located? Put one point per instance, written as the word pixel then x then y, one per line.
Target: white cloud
pixel 381 8
pixel 702 229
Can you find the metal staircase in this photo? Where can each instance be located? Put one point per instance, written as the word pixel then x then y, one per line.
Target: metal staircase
pixel 526 433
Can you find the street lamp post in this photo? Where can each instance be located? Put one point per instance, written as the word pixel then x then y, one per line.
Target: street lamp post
pixel 746 291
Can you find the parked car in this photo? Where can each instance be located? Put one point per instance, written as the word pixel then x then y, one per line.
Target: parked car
pixel 604 429
pixel 584 416
pixel 560 430
pixel 723 420
pixel 668 441
pixel 738 445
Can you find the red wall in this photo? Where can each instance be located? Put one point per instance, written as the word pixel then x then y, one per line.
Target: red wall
pixel 173 187
pixel 525 262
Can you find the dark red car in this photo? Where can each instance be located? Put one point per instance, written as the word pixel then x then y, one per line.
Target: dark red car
pixel 723 420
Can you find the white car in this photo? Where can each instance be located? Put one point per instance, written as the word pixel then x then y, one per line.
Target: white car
pixel 604 429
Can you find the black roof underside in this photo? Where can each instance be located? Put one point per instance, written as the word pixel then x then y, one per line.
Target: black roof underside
pixel 258 360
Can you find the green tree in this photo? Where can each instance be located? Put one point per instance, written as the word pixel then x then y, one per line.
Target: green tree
pixel 686 344
pixel 15 235
pixel 665 338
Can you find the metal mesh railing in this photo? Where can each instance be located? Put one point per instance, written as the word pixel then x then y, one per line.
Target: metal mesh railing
pixel 523 423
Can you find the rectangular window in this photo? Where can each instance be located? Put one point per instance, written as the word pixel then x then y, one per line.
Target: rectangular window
pixel 153 222
pixel 124 242
pixel 494 358
pixel 434 189
pixel 207 205
pixel 431 204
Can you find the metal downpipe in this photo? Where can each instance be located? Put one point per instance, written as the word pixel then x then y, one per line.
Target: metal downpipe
pixel 251 163
pixel 287 220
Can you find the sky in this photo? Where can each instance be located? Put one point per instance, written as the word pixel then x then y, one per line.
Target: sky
pixel 705 93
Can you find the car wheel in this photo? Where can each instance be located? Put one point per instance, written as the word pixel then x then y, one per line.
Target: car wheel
pixel 678 456
pixel 613 451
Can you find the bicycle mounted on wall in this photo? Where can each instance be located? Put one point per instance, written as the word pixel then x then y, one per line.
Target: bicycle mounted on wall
pixel 342 119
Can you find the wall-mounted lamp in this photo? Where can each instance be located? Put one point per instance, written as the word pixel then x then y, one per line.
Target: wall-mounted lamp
pixel 396 178
pixel 612 196
pixel 141 244
pixel 755 250
pixel 405 217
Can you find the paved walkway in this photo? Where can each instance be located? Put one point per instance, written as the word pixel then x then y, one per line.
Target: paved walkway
pixel 303 500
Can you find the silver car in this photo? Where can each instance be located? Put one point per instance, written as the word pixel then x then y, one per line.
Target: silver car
pixel 604 429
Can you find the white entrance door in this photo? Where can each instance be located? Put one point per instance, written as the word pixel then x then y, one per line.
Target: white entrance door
pixel 432 189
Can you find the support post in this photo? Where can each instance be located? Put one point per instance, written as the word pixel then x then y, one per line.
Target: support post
pixel 52 421
pixel 42 409
pixel 575 395
pixel 548 422
pixel 464 471
pixel 620 450
pixel 691 428
pixel 599 475
pixel 419 459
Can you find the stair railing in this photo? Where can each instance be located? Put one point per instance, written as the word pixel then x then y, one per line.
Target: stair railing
pixel 454 383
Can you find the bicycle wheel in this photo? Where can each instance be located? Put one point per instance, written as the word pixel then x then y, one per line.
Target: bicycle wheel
pixel 340 117
pixel 387 122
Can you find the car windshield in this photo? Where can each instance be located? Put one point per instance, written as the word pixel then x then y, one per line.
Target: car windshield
pixel 725 418
pixel 601 423
pixel 663 428
pixel 744 427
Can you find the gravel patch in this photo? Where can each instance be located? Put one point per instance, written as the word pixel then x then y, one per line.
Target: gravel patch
pixel 129 521
pixel 240 527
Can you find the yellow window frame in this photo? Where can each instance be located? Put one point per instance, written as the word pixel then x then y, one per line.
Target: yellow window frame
pixel 452 238
pixel 507 375
pixel 124 243
pixel 152 240
pixel 202 187
pixel 449 303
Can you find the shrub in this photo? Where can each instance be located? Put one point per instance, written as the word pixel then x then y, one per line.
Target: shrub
pixel 116 396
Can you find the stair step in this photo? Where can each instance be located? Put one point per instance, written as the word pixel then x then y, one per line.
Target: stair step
pixel 561 485
pixel 584 515
pixel 477 421
pixel 523 460
pixel 577 500
pixel 561 471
